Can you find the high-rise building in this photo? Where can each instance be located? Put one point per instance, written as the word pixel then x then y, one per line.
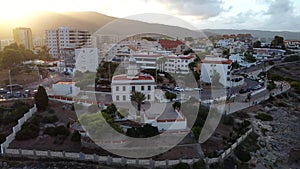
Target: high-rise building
pixel 63 41
pixel 23 36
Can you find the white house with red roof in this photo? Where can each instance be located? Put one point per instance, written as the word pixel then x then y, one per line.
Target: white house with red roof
pixel 221 65
pixel 123 85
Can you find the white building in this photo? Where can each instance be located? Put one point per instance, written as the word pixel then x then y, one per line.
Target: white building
pixel 123 85
pixel 222 66
pixel 240 59
pixel 86 59
pixel 166 62
pixel 267 53
pixel 168 121
pixel 65 88
pixel 65 38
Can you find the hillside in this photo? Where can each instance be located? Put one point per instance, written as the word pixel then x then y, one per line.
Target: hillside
pixel 92 21
pixel 255 33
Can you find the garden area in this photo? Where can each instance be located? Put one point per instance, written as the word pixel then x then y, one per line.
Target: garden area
pixel 48 130
pixel 10 112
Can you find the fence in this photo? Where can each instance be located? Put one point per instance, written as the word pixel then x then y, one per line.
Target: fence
pixel 17 128
pixel 95 158
pixel 227 152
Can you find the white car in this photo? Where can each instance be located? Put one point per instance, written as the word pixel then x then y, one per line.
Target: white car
pixel 198 89
pixel 178 89
pixel 188 89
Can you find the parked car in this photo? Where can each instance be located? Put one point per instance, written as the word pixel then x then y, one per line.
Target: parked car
pixel 256 87
pixel 242 91
pixel 198 89
pixel 17 94
pixel 178 89
pixel 188 89
pixel 3 91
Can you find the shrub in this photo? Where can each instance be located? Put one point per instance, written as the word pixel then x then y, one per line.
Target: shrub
pixel 181 166
pixel 50 119
pixel 271 86
pixel 264 117
pixel 51 111
pixel 292 58
pixel 28 131
pixel 242 155
pixel 76 137
pixel 2 137
pixel 50 131
pixel 176 105
pixel 62 130
pixel 35 120
pixel 54 131
pixel 199 164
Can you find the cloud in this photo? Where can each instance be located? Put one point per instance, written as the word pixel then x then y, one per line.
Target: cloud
pixel 282 16
pixel 201 8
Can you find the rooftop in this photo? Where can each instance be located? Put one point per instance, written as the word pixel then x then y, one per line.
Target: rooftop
pixel 140 77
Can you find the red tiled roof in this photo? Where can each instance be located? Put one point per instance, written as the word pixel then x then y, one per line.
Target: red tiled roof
pixel 124 77
pixel 169 44
pixel 228 61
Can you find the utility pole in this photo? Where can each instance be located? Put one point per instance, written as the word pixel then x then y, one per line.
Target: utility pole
pixel 109 71
pixel 9 76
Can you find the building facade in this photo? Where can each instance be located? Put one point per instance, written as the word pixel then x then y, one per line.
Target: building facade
pixel 124 85
pixel 23 36
pixel 65 40
pixel 221 66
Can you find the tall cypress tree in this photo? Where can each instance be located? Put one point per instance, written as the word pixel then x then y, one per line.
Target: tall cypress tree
pixel 41 99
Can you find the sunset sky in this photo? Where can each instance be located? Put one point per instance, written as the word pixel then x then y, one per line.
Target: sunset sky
pixel 214 14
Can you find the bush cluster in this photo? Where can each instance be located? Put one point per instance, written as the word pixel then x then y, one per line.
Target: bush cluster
pixel 28 131
pixel 54 131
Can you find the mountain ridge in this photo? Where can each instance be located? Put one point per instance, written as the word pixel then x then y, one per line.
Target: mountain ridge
pixel 92 21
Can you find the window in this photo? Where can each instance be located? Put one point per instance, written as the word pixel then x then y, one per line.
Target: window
pixel 149 87
pixel 133 88
pixel 124 88
pixel 149 97
pixel 117 88
pixel 142 88
pixel 124 97
pixel 117 98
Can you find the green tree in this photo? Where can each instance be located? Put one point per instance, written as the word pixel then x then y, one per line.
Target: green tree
pixel 225 52
pixel 170 95
pixel 278 42
pixel 257 44
pixel 41 99
pixel 142 132
pixel 138 97
pixel 176 105
pixel 11 57
pixel 235 65
pixel 249 57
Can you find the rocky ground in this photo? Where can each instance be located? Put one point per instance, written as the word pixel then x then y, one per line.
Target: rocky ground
pixel 279 139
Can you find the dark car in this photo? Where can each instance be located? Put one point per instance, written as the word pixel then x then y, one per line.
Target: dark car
pixel 3 91
pixel 17 94
pixel 242 91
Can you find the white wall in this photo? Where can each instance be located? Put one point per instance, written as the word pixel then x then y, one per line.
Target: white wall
pixel 207 71
pixel 65 89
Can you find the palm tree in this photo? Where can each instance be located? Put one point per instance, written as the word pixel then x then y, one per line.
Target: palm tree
pixel 249 98
pixel 138 97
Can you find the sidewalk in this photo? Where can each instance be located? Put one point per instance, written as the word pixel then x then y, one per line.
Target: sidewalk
pixel 255 99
